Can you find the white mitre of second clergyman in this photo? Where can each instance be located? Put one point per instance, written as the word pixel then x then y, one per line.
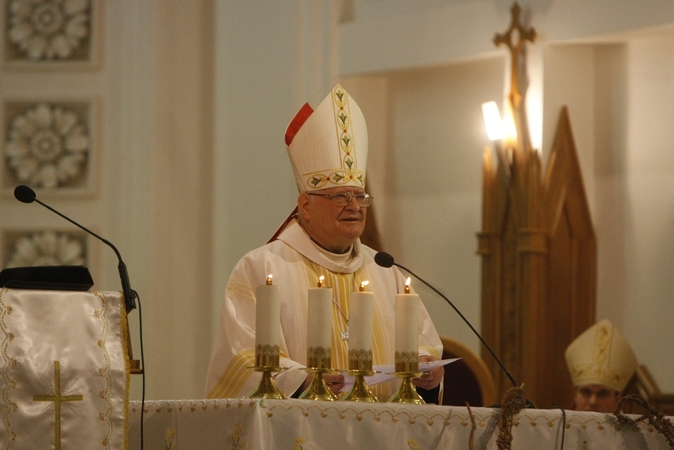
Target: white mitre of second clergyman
pixel 601 355
pixel 328 146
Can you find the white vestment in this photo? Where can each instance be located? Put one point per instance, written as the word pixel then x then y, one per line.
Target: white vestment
pixel 295 262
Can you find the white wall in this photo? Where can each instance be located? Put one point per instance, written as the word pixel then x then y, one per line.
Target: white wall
pixel 427 177
pixel 270 58
pixel 635 194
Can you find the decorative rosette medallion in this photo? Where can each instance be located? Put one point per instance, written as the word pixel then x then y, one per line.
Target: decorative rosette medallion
pixel 48 30
pixel 48 248
pixel 47 146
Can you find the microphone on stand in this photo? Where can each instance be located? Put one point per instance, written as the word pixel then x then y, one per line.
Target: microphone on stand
pixel 27 195
pixel 384 259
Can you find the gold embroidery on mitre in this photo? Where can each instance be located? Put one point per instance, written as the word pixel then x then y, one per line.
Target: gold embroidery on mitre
pixel 349 172
pixel 599 367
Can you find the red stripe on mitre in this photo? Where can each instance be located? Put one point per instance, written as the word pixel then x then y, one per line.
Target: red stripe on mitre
pixel 297 122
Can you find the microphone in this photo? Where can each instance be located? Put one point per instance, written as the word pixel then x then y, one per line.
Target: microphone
pixel 384 259
pixel 27 195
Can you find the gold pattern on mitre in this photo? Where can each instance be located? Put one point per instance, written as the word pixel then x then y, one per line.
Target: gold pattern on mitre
pixel 601 355
pixel 330 147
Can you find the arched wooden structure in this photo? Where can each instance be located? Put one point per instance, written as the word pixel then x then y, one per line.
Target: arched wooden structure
pixel 538 266
pixel 468 379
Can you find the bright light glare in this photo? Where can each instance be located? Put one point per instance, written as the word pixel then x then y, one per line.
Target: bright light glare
pixel 492 120
pixel 509 129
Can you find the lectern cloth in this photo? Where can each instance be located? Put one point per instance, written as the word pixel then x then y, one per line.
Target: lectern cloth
pixel 295 262
pixel 65 372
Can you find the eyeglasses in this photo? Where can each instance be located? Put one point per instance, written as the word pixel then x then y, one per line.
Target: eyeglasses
pixel 344 198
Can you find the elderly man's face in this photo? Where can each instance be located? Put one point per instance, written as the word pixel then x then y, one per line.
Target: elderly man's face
pixel 596 397
pixel 331 226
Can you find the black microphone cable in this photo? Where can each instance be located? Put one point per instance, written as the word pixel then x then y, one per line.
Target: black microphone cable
pixel 142 375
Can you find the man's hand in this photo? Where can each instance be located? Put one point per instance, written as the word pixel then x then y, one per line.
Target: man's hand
pixel 335 381
pixel 431 379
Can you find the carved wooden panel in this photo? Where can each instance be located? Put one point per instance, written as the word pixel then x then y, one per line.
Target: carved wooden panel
pixel 538 267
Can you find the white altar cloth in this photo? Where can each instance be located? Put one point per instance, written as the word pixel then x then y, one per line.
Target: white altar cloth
pixel 302 424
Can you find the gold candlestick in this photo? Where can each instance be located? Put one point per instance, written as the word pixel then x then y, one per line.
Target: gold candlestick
pixel 267 387
pixel 267 362
pixel 360 366
pixel 407 393
pixel 318 363
pixel 407 368
pixel 360 392
pixel 318 389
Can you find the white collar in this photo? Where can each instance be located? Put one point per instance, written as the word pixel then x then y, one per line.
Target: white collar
pixel 295 236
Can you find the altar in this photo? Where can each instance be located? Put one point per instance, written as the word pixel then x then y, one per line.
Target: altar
pixel 301 424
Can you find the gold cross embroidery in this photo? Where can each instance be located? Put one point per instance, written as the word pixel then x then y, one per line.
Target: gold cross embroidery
pixel 57 398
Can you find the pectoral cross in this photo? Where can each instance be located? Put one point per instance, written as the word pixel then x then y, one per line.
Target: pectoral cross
pixel 345 334
pixel 57 398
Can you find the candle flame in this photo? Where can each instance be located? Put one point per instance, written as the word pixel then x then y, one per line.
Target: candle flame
pixel 269 277
pixel 362 286
pixel 320 281
pixel 407 285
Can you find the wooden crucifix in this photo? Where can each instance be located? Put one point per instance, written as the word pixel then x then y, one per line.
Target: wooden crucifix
pixel 515 38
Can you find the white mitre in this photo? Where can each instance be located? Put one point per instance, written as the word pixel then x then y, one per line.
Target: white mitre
pixel 601 355
pixel 328 146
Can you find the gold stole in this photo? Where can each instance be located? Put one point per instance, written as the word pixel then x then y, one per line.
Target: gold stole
pixel 342 285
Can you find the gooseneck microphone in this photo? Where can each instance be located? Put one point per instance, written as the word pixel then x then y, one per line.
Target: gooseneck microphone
pixel 27 195
pixel 386 260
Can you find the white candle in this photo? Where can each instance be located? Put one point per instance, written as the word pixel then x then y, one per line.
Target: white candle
pixel 268 315
pixel 407 321
pixel 319 333
pixel 361 316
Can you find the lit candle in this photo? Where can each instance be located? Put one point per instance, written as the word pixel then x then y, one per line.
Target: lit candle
pixel 267 314
pixel 320 316
pixel 407 321
pixel 361 317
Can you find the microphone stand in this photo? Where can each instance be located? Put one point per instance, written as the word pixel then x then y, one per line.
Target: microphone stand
pixel 26 195
pixel 129 294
